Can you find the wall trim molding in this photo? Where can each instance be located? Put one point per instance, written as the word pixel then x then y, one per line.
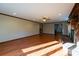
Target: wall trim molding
pixel 18 18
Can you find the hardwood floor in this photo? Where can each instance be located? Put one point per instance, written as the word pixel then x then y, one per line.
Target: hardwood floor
pixel 38 45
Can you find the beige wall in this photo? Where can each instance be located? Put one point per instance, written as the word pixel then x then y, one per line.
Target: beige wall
pixel 13 28
pixel 49 28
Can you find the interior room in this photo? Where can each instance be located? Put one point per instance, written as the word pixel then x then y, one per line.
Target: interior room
pixel 39 29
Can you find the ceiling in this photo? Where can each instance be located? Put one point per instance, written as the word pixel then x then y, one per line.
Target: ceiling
pixel 35 11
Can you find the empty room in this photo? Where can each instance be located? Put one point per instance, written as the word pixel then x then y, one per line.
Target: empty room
pixel 39 29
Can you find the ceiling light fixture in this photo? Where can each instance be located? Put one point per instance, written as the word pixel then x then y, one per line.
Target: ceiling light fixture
pixel 44 20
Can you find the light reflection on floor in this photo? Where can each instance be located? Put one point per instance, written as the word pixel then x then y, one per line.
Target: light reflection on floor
pixel 38 46
pixel 47 49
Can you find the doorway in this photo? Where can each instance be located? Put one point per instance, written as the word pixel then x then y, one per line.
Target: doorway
pixel 58 28
pixel 41 28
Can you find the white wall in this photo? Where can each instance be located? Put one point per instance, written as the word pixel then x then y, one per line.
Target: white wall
pixel 49 28
pixel 13 28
